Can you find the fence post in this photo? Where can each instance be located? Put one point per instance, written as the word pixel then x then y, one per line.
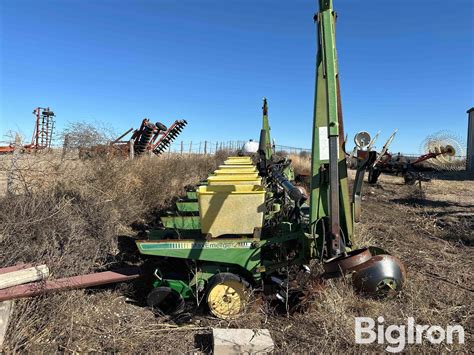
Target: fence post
pixel 199 151
pixel 205 147
pixel 131 151
pixel 190 147
pixel 181 148
pixel 65 146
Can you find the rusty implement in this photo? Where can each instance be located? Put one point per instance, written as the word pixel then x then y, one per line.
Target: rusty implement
pixel 160 145
pixel 143 136
pixel 411 169
pixel 440 155
pixel 70 283
pixel 150 137
pixel 42 134
pixel 373 271
pixel 346 262
pixel 119 139
pixel 7 149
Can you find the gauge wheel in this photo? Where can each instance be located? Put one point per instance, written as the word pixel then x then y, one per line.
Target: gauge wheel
pixel 227 295
pixel 161 126
pixel 165 301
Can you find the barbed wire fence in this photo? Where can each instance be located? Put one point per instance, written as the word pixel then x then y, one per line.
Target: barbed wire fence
pixel 203 147
pixel 211 147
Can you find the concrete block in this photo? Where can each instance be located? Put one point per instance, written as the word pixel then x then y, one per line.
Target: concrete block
pixel 242 341
pixel 6 309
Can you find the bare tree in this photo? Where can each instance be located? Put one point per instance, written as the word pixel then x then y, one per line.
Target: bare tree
pixel 85 135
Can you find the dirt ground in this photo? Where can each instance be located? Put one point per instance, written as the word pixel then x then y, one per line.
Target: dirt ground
pixel 431 230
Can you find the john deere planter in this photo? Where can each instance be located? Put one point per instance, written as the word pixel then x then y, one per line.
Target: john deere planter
pixel 248 224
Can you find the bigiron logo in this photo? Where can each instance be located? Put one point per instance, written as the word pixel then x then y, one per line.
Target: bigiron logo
pixel 398 336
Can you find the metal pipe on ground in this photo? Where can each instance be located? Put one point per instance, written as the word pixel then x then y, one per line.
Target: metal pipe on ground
pixel 70 283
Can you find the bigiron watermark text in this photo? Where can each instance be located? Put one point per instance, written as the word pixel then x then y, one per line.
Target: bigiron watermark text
pixel 398 336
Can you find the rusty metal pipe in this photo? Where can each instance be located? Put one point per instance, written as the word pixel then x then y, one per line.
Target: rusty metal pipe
pixel 70 283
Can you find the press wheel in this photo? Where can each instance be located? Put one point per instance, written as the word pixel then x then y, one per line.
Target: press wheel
pixel 227 295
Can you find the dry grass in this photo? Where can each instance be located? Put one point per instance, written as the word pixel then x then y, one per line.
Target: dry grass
pixel 71 213
pixel 301 164
pixel 68 215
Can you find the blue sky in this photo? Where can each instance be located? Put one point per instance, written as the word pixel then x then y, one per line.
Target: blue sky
pixel 403 64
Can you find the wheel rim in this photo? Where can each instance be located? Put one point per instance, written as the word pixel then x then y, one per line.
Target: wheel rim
pixel 227 299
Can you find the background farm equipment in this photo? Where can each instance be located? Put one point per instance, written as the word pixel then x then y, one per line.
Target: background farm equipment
pixel 248 225
pixel 154 138
pixel 439 152
pixel 149 137
pixel 42 133
pixel 410 169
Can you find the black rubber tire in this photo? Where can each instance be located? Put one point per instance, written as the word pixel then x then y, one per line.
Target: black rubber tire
pixel 165 301
pixel 161 126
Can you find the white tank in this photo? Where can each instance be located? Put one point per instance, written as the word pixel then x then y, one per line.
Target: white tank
pixel 250 147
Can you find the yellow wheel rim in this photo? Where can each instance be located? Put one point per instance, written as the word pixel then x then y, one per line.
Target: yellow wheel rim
pixel 227 299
